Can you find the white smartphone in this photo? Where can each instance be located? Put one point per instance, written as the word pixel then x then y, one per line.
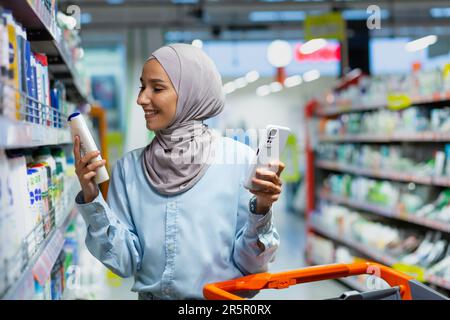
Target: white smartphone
pixel 269 149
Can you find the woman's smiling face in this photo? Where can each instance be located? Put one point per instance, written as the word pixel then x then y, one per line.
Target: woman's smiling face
pixel 157 96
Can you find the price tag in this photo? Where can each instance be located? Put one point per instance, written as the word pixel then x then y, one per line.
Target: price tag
pixel 446 71
pixel 414 271
pixel 398 101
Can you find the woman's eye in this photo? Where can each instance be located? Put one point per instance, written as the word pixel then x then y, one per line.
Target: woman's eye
pixel 157 89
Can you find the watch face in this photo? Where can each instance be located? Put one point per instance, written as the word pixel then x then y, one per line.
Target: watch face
pixel 253 205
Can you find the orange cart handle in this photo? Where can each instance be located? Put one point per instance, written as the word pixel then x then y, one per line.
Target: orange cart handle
pixel 223 290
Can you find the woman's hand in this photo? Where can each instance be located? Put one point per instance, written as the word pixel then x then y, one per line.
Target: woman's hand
pixel 270 186
pixel 86 171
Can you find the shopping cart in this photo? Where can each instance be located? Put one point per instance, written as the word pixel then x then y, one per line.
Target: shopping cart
pixel 403 287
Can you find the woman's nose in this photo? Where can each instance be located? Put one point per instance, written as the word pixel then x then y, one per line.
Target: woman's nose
pixel 143 99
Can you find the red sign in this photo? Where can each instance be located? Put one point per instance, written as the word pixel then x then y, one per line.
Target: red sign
pixel 329 53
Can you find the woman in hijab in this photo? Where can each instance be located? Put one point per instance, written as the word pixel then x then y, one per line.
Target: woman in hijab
pixel 177 215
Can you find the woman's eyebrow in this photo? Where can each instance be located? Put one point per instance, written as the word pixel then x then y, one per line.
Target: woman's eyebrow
pixel 154 80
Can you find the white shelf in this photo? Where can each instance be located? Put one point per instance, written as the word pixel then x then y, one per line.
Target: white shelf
pixel 347 106
pixel 440 181
pixel 373 254
pixel 385 212
pixel 39 267
pixel 383 174
pixel 22 134
pixel 397 137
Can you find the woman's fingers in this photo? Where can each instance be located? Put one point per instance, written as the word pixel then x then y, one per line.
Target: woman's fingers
pixel 266 185
pixel 88 176
pixel 269 176
pixel 95 165
pixel 269 196
pixel 278 165
pixel 76 150
pixel 89 156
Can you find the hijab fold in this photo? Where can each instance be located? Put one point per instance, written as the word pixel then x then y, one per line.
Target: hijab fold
pixel 180 154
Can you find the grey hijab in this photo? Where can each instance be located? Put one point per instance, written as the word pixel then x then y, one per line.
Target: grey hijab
pixel 180 154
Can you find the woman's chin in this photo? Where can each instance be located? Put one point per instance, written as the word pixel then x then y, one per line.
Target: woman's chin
pixel 152 126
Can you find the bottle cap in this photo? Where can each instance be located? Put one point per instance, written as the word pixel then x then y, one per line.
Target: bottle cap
pixel 73 115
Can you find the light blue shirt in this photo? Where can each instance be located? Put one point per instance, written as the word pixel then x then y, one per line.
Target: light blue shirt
pixel 174 245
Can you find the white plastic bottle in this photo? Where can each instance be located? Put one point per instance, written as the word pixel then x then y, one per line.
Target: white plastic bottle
pixel 79 128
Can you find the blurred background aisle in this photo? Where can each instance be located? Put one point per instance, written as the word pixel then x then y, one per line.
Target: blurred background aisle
pixel 364 87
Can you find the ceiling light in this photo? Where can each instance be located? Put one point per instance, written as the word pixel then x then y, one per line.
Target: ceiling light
pixel 240 83
pixel 252 76
pixel 440 12
pixel 312 46
pixel 263 91
pixel 421 43
pixel 279 53
pixel 270 16
pixel 229 87
pixel 311 75
pixel 293 81
pixel 275 86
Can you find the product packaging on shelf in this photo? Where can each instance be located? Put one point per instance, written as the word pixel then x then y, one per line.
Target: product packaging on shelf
pixel 25 88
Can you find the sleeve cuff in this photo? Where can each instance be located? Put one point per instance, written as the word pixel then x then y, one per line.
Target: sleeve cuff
pixel 93 213
pixel 259 224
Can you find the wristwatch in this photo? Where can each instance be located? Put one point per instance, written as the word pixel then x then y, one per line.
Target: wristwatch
pixel 252 206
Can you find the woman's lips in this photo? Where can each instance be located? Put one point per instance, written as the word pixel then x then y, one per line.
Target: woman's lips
pixel 150 114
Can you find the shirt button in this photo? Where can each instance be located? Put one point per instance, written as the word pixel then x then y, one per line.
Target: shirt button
pixel 170 247
pixel 166 291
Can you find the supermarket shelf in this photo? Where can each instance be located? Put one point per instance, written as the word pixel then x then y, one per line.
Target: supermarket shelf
pixel 347 106
pixel 370 253
pixel 383 174
pixel 373 254
pixel 41 264
pixel 441 181
pixel 41 33
pixel 397 137
pixel 21 134
pixel 32 18
pixel 385 212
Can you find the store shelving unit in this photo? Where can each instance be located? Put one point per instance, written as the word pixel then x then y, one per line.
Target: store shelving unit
pixel 347 106
pixel 43 35
pixel 385 212
pixel 44 38
pixel 40 265
pixel 388 138
pixel 317 109
pixel 21 134
pixel 371 253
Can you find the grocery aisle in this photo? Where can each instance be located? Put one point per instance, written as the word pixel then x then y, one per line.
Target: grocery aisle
pixel 361 96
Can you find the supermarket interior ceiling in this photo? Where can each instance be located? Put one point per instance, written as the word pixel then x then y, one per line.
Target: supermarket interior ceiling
pixel 248 19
